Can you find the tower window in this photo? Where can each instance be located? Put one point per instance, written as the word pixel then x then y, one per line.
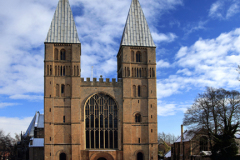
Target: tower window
pixel 132 56
pixel 57 90
pixel 138 56
pixel 56 54
pixel 138 117
pixel 139 91
pixel 62 88
pixel 47 69
pixel 139 140
pixel 50 69
pixel 63 54
pixel 134 91
pixel 63 119
pixel 63 70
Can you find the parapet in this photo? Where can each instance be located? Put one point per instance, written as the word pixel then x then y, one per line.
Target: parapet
pixel 101 82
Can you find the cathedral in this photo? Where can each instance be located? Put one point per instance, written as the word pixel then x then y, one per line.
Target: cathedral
pixel 100 119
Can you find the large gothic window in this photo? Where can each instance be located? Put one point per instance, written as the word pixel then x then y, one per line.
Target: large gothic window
pixel 101 122
pixel 203 143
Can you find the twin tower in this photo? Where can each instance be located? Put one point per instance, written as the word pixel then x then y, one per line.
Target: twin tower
pixel 100 119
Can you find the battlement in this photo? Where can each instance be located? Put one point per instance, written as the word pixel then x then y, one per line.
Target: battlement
pixel 101 82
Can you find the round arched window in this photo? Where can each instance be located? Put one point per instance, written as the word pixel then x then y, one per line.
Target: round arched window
pixel 101 122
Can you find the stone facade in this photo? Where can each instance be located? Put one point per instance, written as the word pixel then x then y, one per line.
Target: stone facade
pixel 100 119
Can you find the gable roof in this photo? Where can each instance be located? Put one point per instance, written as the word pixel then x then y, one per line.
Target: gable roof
pixel 37 122
pixel 37 142
pixel 136 31
pixel 187 136
pixel 63 28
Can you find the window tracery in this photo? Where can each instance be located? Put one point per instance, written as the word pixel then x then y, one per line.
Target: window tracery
pixel 101 122
pixel 203 143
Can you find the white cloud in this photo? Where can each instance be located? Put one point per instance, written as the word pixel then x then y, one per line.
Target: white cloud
pixel 162 64
pixel 163 37
pixel 3 105
pixel 214 10
pixel 170 109
pixel 233 9
pixel 192 27
pixel 208 62
pixel 28 97
pixel 185 71
pixel 224 9
pixel 14 125
pixel 24 26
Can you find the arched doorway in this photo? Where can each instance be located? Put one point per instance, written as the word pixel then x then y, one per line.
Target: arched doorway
pixel 62 156
pixel 140 156
pixel 101 158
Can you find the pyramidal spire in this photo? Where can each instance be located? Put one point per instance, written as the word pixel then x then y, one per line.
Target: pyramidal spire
pixel 63 28
pixel 136 31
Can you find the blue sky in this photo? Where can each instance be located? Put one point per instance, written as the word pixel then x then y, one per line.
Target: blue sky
pixel 198 45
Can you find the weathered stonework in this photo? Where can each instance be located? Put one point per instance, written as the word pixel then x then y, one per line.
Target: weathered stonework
pixel 66 96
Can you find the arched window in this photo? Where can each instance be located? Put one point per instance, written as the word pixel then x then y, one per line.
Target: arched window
pixel 78 71
pixel 203 143
pixel 134 91
pixel 63 70
pixel 58 71
pixel 75 71
pixel 50 69
pixel 57 90
pixel 138 56
pixel 63 119
pixel 62 88
pixel 125 72
pixel 150 72
pixel 55 70
pixel 63 54
pixel 153 73
pixel 62 156
pixel 101 122
pixel 139 91
pixel 56 54
pixel 140 156
pixel 138 117
pixel 47 69
pixel 132 56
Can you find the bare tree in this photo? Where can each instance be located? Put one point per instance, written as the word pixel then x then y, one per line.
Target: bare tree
pixel 169 138
pixel 216 111
pixel 7 146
